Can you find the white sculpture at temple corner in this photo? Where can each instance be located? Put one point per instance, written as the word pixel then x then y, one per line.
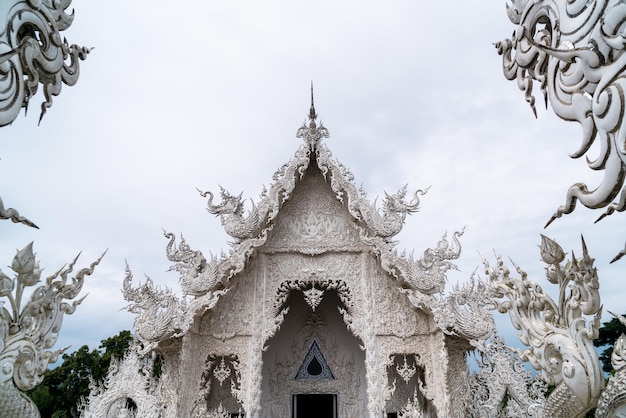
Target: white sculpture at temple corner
pixel 33 53
pixel 29 331
pixel 558 334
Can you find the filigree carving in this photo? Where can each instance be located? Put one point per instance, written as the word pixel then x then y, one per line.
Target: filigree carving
pixel 406 372
pixel 298 272
pixel 221 372
pixel 313 221
pixel 199 278
pixel 328 237
pixel 313 297
pixel 33 52
pixel 211 397
pixel 464 312
pixel 458 382
pixel 412 409
pixel 218 412
pixel 28 332
pixel 158 310
pixel 559 337
pixel 575 51
pixel 314 365
pixel 401 318
pixel 426 274
pixel 130 378
pixel 502 374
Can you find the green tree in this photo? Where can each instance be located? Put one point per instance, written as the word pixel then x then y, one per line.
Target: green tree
pixel 609 333
pixel 63 387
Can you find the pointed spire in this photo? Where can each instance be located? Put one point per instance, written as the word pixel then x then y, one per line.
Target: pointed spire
pixel 312 134
pixel 312 114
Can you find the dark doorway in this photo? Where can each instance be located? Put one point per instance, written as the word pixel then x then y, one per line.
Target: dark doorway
pixel 315 406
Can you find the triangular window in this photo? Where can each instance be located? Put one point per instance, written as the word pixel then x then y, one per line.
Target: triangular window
pixel 314 365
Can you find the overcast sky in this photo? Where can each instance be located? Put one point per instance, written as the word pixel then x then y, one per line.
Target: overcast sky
pixel 179 95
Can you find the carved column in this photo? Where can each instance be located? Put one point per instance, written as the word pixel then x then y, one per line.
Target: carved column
pixel 458 378
pixel 436 377
pixel 254 367
pixel 372 360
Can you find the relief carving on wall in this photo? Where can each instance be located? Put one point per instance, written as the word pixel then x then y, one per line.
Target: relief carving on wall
pixel 400 318
pixel 313 292
pixel 405 381
pixel 233 314
pixel 220 386
pixel 339 272
pixel 313 221
pixel 345 369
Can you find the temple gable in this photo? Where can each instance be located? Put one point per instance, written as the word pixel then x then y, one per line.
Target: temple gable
pixel 313 220
pixel 312 306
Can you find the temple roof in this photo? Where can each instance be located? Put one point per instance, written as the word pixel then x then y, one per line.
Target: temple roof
pixel 205 279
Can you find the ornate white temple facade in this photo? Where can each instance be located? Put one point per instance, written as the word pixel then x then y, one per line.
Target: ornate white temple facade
pixel 312 312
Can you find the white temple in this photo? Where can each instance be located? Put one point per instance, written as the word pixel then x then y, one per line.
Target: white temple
pixel 311 313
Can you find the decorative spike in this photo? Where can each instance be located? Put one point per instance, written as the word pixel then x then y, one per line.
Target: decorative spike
pixel 312 114
pixel 584 244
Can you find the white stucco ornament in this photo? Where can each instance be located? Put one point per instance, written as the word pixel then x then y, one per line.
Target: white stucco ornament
pixel 28 331
pixel 33 53
pixel 574 50
pixel 559 335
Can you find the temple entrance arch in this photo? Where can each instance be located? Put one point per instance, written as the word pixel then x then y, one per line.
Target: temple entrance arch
pixel 313 353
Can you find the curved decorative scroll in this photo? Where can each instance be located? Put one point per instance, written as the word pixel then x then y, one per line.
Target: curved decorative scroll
pixel 559 337
pixel 14 216
pixel 231 211
pixel 394 212
pixel 160 313
pixel 32 52
pixel 426 274
pixel 575 49
pixel 28 332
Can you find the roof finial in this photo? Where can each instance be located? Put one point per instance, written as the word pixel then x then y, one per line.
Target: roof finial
pixel 312 114
pixel 312 134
